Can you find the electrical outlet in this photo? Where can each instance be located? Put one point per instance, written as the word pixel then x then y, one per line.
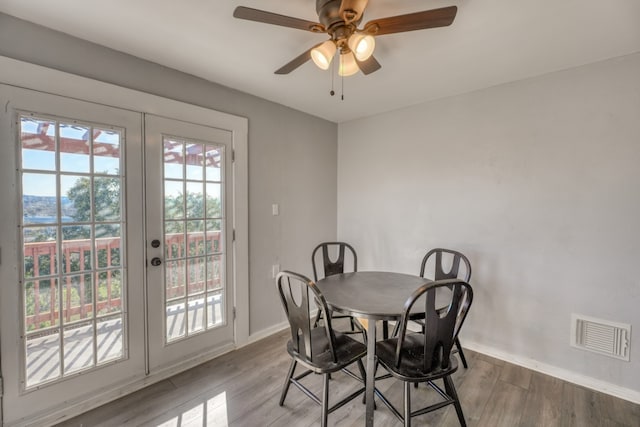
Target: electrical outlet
pixel 275 269
pixel 275 209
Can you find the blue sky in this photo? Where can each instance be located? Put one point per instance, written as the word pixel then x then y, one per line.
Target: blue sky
pixel 44 184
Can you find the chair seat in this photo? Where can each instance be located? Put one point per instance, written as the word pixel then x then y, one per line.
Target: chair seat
pixel 411 364
pixel 347 351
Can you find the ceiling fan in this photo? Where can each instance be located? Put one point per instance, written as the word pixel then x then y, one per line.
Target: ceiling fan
pixel 340 19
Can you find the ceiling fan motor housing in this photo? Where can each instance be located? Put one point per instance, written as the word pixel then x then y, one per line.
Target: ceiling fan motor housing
pixel 330 17
pixel 328 12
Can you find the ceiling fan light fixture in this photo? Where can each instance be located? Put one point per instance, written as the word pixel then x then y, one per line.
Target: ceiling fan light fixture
pixel 323 54
pixel 348 65
pixel 362 45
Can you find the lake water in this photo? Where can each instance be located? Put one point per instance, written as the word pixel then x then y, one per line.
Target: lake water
pixel 45 219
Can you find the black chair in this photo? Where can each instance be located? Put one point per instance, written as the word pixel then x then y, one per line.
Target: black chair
pixel 426 356
pixel 321 256
pixel 438 273
pixel 320 350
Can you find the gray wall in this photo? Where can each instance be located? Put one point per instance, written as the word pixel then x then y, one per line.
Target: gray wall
pixel 292 155
pixel 536 181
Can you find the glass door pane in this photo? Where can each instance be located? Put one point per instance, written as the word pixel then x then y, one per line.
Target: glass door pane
pixel 194 230
pixel 72 183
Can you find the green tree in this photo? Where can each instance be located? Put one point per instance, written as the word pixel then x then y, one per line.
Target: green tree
pixel 103 202
pixel 197 207
pixel 80 197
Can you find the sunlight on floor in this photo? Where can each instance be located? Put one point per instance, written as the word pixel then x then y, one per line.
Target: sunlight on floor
pixel 212 413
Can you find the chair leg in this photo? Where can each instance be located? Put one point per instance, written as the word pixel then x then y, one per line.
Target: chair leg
pixel 287 382
pixel 364 379
pixel 363 372
pixel 325 400
pixel 318 316
pixel 461 353
pixel 451 391
pixel 407 404
pixel 394 333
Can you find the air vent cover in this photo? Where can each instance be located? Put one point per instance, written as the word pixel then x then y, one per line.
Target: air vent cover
pixel 601 336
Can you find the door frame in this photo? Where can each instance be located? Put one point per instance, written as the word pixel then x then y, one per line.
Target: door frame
pixel 35 77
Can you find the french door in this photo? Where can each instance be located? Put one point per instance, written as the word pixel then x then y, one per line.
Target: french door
pixel 72 271
pixel 116 251
pixel 189 228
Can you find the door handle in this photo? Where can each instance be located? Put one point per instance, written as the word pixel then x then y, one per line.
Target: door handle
pixel 156 261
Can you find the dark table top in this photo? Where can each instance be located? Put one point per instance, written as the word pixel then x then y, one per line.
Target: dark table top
pixel 378 295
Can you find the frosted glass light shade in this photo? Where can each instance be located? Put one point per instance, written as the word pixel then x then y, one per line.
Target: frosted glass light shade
pixel 348 65
pixel 362 46
pixel 323 54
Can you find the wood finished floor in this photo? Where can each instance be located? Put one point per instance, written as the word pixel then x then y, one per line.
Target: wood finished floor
pixel 242 389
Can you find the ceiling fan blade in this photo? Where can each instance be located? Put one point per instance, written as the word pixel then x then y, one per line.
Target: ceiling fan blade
pixel 369 66
pixel 354 9
pixel 296 62
pixel 257 15
pixel 412 21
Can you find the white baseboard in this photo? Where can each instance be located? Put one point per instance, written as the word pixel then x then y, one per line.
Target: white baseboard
pixel 257 336
pixel 554 371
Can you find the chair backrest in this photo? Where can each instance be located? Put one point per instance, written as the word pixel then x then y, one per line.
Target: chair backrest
pixel 454 272
pixel 329 267
pixel 291 285
pixel 441 325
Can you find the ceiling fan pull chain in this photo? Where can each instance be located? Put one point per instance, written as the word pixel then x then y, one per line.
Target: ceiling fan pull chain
pixel 333 69
pixel 342 79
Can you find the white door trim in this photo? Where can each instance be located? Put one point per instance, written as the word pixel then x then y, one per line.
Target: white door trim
pixel 35 77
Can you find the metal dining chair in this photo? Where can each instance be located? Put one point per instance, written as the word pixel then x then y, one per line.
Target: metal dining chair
pixel 426 356
pixel 321 350
pixel 435 260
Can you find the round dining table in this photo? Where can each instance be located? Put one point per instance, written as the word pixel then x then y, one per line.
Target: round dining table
pixel 373 295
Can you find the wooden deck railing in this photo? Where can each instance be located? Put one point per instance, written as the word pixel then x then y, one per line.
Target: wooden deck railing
pixel 191 280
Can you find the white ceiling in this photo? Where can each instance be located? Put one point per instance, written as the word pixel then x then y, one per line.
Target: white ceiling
pixel 489 43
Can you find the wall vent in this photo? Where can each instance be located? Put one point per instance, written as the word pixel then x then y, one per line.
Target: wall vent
pixel 601 336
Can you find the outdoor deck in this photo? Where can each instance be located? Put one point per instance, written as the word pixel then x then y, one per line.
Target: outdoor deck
pixel 44 361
